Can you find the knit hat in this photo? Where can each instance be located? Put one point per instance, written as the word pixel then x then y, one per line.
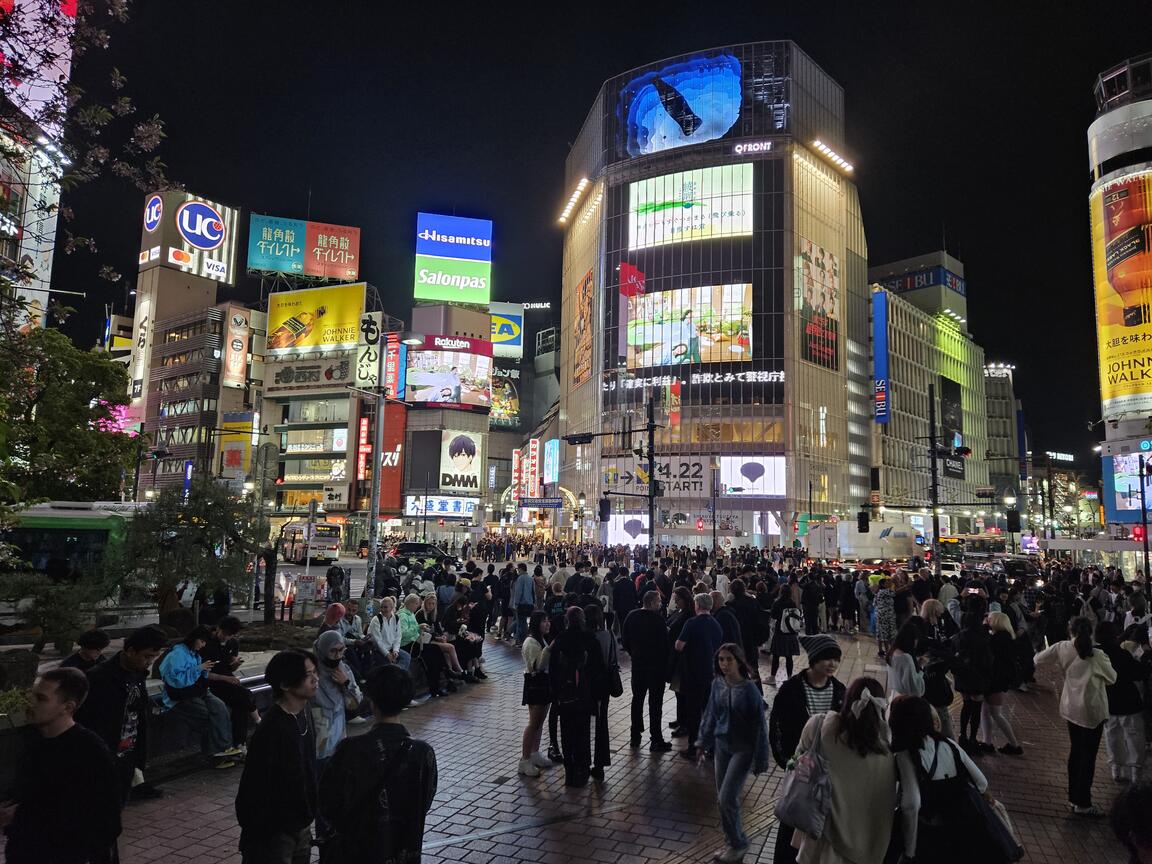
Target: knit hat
pixel 820 647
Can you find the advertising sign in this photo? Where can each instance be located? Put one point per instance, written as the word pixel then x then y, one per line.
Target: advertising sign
pixel 552 460
pixel 1122 487
pixel 752 475
pixel 142 349
pixel 450 371
pixel 925 279
pixel 507 329
pixel 461 460
pixel 392 462
pixel 882 404
pixel 682 476
pixel 531 469
pixel 691 101
pixel 235 444
pixel 315 319
pixel 331 251
pixel 309 375
pixel 235 371
pixel 363 449
pixel 690 205
pixel 1121 213
pixel 818 301
pixel 505 398
pixel 440 506
pixel 190 234
pixel 628 529
pixel 395 365
pixel 453 259
pixel 517 473
pixel 582 328
pixel 690 325
pixel 368 353
pixel 295 246
pixel 951 425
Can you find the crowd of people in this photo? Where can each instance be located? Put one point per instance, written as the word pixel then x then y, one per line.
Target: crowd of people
pixel 902 783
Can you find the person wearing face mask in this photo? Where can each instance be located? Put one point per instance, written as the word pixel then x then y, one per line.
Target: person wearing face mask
pixel 336 693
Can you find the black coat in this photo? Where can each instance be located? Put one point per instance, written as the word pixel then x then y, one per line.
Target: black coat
pixel 109 685
pixel 790 713
pixel 972 661
pixel 277 791
pixel 1124 695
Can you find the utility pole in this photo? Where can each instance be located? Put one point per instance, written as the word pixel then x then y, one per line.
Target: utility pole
pixel 932 444
pixel 715 543
pixel 1144 510
pixel 653 483
pixel 427 481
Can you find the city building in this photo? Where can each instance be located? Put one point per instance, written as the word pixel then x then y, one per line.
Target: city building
pixel 1007 441
pixel 922 349
pixel 715 269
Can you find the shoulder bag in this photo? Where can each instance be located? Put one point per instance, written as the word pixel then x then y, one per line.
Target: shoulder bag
pixel 615 684
pixel 990 819
pixel 806 793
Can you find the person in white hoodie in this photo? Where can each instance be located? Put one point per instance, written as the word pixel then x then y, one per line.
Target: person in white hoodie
pixel 1084 705
pixel 384 632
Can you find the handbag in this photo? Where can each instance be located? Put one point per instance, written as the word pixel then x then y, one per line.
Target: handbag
pixel 615 684
pixel 537 689
pixel 990 820
pixel 806 793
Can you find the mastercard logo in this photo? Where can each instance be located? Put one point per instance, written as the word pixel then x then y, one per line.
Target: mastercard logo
pixel 179 256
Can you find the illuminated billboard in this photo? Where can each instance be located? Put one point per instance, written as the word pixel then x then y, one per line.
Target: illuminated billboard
pixel 1121 219
pixel 461 459
pixel 582 327
pixel 315 319
pixel 507 329
pixel 752 475
pixel 453 259
pixel 190 234
pixel 709 324
pixel 440 506
pixel 505 397
pixel 689 101
pixel 818 302
pixel 628 529
pixel 304 248
pixel 700 204
pixel 552 460
pixel 1122 487
pixel 234 371
pixel 450 372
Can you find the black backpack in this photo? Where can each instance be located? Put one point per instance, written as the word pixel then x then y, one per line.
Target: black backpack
pixel 571 683
pixel 369 826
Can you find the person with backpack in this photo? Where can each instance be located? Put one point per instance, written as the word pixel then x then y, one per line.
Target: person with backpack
pixel 972 668
pixel 576 666
pixel 934 774
pixel 1124 728
pixel 1084 707
pixel 377 790
pixel 335 579
pixel 785 642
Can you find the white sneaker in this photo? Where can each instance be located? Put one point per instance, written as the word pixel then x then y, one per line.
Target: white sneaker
pixel 357 721
pixel 528 768
pixel 540 761
pixel 734 856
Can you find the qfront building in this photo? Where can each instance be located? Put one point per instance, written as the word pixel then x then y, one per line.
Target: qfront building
pixel 715 268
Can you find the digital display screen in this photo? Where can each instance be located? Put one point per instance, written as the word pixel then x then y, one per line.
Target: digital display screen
pixel 690 205
pixel 461 459
pixel 450 378
pixel 752 475
pixel 505 398
pixel 628 529
pixel 709 324
pixel 819 305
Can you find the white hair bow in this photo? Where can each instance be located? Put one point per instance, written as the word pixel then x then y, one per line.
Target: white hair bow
pixel 866 698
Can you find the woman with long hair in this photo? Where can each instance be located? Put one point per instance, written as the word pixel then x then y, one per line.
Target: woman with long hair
pixel 536 654
pixel 1084 707
pixel 787 620
pixel 1124 729
pixel 575 667
pixel 854 744
pixel 905 677
pixel 1002 641
pixel 972 668
pixel 468 644
pixel 733 728
pixel 933 775
pixel 602 754
pixel 682 608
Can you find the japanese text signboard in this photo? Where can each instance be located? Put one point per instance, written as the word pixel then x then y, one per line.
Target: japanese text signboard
pixel 304 248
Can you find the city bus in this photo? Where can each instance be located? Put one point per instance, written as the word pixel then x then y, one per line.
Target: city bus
pixel 951 549
pixel 985 545
pixel 65 540
pixel 294 546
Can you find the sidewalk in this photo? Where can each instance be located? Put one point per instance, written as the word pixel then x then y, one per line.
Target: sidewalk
pixel 651 809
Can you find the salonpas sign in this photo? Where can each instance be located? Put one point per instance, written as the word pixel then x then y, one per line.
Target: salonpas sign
pixel 454 280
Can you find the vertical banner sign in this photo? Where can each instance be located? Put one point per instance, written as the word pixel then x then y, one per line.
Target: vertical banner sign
pixel 582 326
pixel 368 353
pixel 552 461
pixel 952 425
pixel 363 450
pixel 235 371
pixel 881 386
pixel 818 302
pixel 189 467
pixel 533 468
pixel 516 474
pixel 395 359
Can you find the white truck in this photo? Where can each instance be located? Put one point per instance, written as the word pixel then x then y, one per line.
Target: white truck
pixel 842 541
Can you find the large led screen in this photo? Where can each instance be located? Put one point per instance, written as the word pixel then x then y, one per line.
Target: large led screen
pixel 505 398
pixel 461 459
pixel 691 101
pixel 709 324
pixel 690 205
pixel 451 371
pixel 752 475
pixel 1122 487
pixel 819 305
pixel 628 529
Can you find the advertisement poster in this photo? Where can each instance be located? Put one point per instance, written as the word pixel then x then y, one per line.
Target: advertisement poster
pixel 1121 213
pixel 951 425
pixel 440 506
pixel 451 371
pixel 531 467
pixel 752 475
pixel 1122 487
pixel 582 327
pixel 191 234
pixel 235 370
pixel 690 205
pixel 690 325
pixel 507 329
pixel 881 386
pixel 552 460
pixel 368 353
pixel 314 319
pixel 461 460
pixel 819 305
pixel 453 259
pixel 280 245
pixel 505 398
pixel 690 101
pixel 331 251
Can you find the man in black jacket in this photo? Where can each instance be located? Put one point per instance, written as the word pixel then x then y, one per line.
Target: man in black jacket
pixel 815 686
pixel 276 801
pixel 645 638
pixel 117 706
pixel 623 595
pixel 378 787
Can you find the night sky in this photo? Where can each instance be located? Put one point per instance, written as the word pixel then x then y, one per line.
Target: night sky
pixel 965 123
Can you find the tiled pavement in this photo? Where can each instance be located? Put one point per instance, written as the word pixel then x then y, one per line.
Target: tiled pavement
pixel 649 809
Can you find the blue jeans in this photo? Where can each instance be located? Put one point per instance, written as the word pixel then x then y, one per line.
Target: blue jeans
pixel 403 659
pixel 731 772
pixel 523 616
pixel 208 716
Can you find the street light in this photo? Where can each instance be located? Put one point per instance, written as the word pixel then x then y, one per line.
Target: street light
pixel 581 500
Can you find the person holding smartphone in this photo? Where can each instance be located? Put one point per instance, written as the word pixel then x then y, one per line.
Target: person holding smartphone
pixel 186 695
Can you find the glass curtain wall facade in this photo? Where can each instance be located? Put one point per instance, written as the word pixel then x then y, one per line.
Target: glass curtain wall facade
pixel 714 266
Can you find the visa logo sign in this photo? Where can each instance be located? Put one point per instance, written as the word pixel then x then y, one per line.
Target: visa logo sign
pixel 507 330
pixel 201 225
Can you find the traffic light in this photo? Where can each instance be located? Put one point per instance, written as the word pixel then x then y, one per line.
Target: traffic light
pixel 605 509
pixel 1138 533
pixel 862 522
pixel 1013 520
pixel 699 524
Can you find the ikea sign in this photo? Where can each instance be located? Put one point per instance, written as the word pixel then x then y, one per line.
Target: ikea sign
pixel 507 329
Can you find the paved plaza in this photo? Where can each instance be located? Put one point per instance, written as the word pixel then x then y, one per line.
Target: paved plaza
pixel 649 809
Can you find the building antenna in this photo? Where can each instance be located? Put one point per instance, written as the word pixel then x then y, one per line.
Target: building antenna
pixel 944 235
pixel 308 211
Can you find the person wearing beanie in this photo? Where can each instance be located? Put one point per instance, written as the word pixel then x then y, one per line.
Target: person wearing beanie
pixel 809 693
